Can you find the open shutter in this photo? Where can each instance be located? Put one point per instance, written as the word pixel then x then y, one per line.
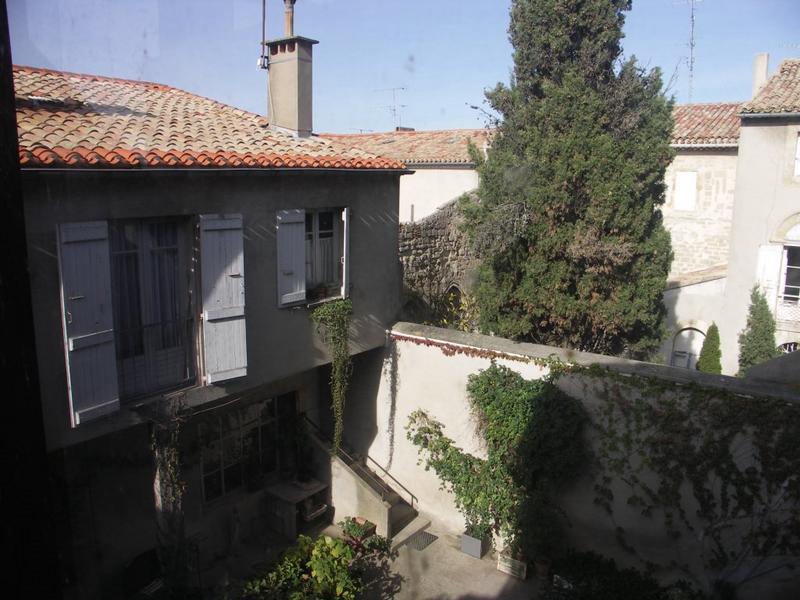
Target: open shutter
pixel 88 321
pixel 222 273
pixel 345 252
pixel 770 258
pixel 291 256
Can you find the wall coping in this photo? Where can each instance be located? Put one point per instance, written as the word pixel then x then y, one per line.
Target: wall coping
pixel 459 342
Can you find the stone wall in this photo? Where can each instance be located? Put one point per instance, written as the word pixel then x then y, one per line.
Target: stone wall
pixel 435 254
pixel 701 237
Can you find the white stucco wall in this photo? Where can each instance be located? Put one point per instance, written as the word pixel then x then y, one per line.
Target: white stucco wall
pixel 691 306
pixel 767 193
pixel 428 368
pixel 422 192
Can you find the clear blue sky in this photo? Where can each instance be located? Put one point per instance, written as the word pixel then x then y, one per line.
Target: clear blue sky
pixel 443 52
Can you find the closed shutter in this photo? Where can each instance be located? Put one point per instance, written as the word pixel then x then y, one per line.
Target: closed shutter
pixel 291 256
pixel 222 274
pixel 770 258
pixel 345 252
pixel 88 321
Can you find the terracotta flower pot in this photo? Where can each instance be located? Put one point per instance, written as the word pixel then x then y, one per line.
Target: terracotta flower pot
pixel 542 566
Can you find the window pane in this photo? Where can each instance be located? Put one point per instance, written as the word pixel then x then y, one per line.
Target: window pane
pixel 269 450
pixel 326 221
pixel 793 256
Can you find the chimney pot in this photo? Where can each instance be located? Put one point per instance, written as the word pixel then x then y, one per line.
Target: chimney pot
pixel 760 71
pixel 288 18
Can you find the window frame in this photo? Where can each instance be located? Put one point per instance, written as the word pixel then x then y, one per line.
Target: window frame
pixel 684 195
pixel 342 216
pixel 187 252
pixel 266 419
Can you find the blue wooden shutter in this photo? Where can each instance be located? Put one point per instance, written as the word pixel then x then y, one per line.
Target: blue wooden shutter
pixel 345 252
pixel 222 274
pixel 88 321
pixel 291 256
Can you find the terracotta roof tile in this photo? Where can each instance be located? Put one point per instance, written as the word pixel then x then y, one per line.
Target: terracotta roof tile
pixel 715 124
pixel 67 119
pixel 781 94
pixel 447 146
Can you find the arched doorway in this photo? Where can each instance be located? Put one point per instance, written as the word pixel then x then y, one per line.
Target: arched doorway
pixel 686 347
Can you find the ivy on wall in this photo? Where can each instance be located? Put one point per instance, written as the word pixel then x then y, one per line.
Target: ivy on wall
pixel 532 435
pixel 719 467
pixel 332 320
pixel 716 466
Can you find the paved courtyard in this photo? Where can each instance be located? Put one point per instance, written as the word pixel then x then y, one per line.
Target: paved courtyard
pixel 442 572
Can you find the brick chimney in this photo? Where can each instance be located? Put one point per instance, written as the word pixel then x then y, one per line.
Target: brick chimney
pixel 760 70
pixel 289 99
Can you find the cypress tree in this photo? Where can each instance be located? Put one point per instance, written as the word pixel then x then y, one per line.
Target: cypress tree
pixel 710 360
pixel 757 340
pixel 567 224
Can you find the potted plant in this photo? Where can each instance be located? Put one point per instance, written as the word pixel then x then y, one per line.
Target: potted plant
pixel 357 529
pixel 475 540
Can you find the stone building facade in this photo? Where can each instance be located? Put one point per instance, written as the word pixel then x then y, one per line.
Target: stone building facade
pixel 701 234
pixel 435 254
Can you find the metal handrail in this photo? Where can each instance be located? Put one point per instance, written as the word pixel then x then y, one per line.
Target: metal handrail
pixel 351 460
pixel 390 476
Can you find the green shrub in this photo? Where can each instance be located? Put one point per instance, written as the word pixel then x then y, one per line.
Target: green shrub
pixel 321 569
pixel 710 360
pixel 590 576
pixel 757 341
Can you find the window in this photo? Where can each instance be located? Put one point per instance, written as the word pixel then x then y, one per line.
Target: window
pixel 312 255
pixel 789 304
pixel 129 307
pixel 242 447
pixel 323 254
pixel 151 288
pixel 685 195
pixel 686 348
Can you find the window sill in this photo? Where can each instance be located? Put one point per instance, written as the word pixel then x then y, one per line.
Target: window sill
pixel 311 304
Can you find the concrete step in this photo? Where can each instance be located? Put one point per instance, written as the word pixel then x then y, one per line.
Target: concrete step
pixel 400 515
pixel 419 523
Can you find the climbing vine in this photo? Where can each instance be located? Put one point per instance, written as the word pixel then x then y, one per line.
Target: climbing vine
pixel 168 489
pixel 716 466
pixel 332 320
pixel 713 465
pixel 532 435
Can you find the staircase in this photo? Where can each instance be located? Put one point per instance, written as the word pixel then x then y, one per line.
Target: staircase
pixel 401 503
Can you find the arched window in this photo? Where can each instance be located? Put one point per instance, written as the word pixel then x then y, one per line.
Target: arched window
pixel 789 347
pixel 686 347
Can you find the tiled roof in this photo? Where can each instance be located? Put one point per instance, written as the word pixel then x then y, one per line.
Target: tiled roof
pixel 72 120
pixel 781 94
pixel 715 124
pixel 447 146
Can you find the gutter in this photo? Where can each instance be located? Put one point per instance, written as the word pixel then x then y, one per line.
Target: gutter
pixel 211 170
pixel 779 115
pixel 730 145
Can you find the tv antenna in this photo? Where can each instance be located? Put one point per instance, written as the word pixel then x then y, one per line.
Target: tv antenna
pixel 395 109
pixel 263 59
pixel 690 60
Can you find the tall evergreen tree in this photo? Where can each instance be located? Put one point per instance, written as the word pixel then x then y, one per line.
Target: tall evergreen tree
pixel 710 360
pixel 757 340
pixel 567 222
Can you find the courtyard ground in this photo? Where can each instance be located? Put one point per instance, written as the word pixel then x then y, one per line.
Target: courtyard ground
pixel 441 571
